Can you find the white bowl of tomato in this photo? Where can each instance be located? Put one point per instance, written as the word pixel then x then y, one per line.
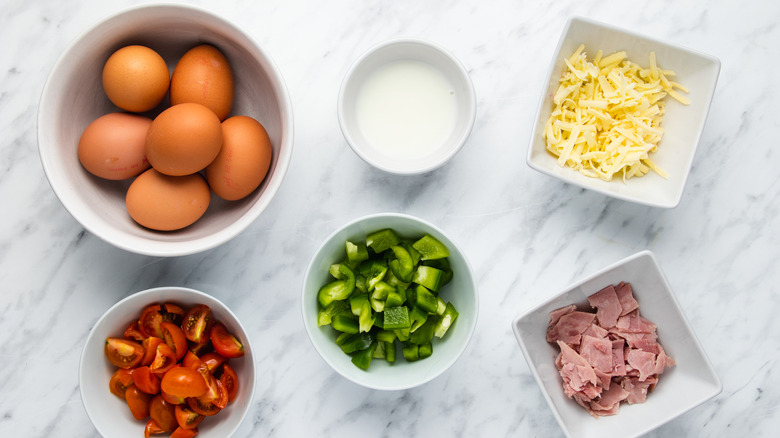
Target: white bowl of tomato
pixel 169 360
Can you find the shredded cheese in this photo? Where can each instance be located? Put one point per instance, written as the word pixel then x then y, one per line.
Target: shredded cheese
pixel 607 115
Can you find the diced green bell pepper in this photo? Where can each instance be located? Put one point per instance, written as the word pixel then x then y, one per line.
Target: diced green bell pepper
pixel 382 240
pixel 377 305
pixel 356 342
pixel 403 265
pixel 326 314
pixel 416 256
pixel 379 352
pixel 446 320
pixel 334 291
pixel 411 352
pixel 424 334
pixel 342 338
pixel 425 350
pixel 362 359
pixel 393 299
pixel 356 252
pixel 385 336
pixel 426 300
pixel 418 317
pixel 430 248
pixel 390 352
pixel 346 323
pixel 429 277
pixel 396 318
pixel 381 289
pixel 443 265
pixel 392 280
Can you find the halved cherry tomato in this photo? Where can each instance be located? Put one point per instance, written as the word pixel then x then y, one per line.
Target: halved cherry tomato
pixel 119 382
pixel 184 433
pixel 146 381
pixel 172 313
pixel 191 360
pixel 174 400
pixel 187 418
pixel 214 400
pixel 164 359
pixel 183 382
pixel 149 322
pixel 150 349
pixel 200 349
pixel 197 324
pixel 203 408
pixel 123 352
pixel 225 343
pixel 229 380
pixel 152 428
pixel 132 332
pixel 175 339
pixel 138 402
pixel 163 413
pixel 213 361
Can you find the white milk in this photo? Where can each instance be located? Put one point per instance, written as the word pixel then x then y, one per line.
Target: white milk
pixel 406 109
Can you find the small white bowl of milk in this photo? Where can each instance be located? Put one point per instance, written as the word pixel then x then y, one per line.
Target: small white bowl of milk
pixel 406 106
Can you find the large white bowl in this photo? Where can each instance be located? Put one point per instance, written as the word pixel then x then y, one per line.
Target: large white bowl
pixel 109 413
pixel 406 49
pixel 681 388
pixel 683 125
pixel 461 291
pixel 73 97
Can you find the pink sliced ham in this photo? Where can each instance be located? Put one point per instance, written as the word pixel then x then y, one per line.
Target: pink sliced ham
pixel 609 355
pixel 607 306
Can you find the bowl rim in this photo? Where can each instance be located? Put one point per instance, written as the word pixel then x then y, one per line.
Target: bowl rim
pixel 471 110
pixel 157 290
pixel 309 327
pixel 536 131
pixel 142 245
pixel 520 337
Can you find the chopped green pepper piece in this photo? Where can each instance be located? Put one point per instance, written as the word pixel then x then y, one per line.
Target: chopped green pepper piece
pixel 402 266
pixel 426 300
pixel 446 320
pixel 325 315
pixel 362 359
pixel 441 306
pixel 333 291
pixel 379 320
pixel 429 277
pixel 356 303
pixel 397 318
pixel 390 352
pixel 382 240
pixel 392 280
pixel 381 289
pixel 425 350
pixel 430 248
pixel 342 338
pixel 356 342
pixel 418 317
pixel 443 265
pixel 416 256
pixel 356 252
pixel 379 352
pixel 393 299
pixel 424 334
pixel 360 283
pixel 385 336
pixel 376 273
pixel 411 352
pixel 403 335
pixel 346 323
pixel 377 305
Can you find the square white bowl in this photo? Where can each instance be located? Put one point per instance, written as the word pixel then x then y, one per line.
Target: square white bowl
pixel 683 124
pixel 680 388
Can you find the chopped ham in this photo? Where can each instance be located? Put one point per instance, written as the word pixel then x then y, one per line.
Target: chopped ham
pixel 608 306
pixel 609 356
pixel 569 327
pixel 626 298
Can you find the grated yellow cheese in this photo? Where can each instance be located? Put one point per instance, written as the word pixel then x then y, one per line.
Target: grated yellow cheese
pixel 607 115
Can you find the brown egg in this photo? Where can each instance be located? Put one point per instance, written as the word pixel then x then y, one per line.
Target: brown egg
pixel 136 78
pixel 166 203
pixel 183 139
pixel 203 75
pixel 243 161
pixel 112 147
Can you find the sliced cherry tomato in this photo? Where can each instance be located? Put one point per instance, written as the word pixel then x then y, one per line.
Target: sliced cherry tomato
pixel 134 333
pixel 200 349
pixel 173 313
pixel 119 382
pixel 164 359
pixel 184 433
pixel 146 381
pixel 225 343
pixel 123 352
pixel 213 361
pixel 229 380
pixel 203 408
pixel 150 349
pixel 163 413
pixel 175 339
pixel 214 400
pixel 174 400
pixel 183 382
pixel 149 322
pixel 152 428
pixel 138 402
pixel 197 324
pixel 187 418
pixel 191 360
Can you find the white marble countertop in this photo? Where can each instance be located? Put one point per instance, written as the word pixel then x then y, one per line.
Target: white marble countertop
pixel 719 248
